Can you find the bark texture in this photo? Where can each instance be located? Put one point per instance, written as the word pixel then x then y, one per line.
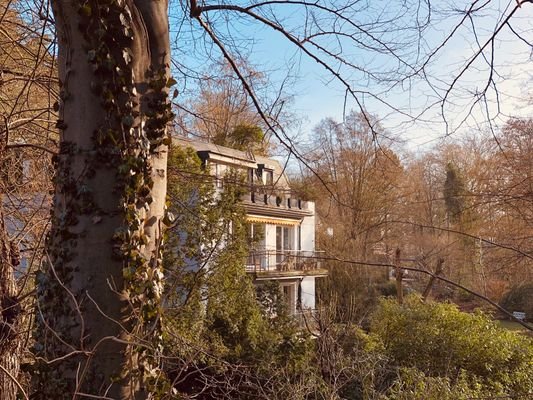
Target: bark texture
pixel 10 316
pixel 98 296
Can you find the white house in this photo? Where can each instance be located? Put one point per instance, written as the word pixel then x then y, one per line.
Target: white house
pixel 284 224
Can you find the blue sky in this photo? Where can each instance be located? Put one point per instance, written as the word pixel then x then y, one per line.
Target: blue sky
pixel 317 95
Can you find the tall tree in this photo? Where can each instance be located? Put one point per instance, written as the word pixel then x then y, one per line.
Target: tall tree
pixel 10 316
pixel 220 103
pixel 361 194
pixel 363 179
pixel 27 83
pixel 507 196
pixel 454 193
pixel 99 294
pixel 220 111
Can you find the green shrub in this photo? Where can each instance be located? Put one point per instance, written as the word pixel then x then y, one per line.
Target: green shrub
pixel 441 341
pixel 413 384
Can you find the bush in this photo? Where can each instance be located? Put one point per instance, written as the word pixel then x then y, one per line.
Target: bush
pixel 519 298
pixel 413 384
pixel 441 341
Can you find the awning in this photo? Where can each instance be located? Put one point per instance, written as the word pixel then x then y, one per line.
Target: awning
pixel 258 219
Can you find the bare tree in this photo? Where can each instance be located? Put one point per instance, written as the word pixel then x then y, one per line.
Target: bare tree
pixel 10 317
pixel 27 141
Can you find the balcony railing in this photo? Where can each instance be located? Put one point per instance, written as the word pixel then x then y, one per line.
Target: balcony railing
pixel 280 261
pixel 262 197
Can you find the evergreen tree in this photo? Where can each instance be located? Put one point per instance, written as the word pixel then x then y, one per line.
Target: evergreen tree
pixel 214 321
pixel 454 191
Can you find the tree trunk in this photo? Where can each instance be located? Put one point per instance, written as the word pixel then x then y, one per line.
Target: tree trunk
pixel 432 278
pixel 99 295
pixel 399 276
pixel 10 316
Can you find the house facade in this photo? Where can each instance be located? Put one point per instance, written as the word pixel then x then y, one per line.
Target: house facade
pixel 282 225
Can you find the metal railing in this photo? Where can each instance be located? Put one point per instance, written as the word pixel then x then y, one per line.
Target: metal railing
pixel 288 260
pixel 281 200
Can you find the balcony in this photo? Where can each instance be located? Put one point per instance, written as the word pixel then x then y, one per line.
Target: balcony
pixel 276 205
pixel 271 263
pixel 266 197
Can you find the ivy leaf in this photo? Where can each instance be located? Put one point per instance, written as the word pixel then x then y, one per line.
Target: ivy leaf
pixel 171 82
pixel 169 218
pixel 85 10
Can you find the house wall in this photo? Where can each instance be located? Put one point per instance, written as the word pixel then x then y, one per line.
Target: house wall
pixel 308 229
pixel 307 287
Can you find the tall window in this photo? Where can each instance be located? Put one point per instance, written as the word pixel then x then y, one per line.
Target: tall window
pixel 219 174
pixel 284 242
pixel 269 179
pixel 289 297
pixel 251 174
pixel 257 235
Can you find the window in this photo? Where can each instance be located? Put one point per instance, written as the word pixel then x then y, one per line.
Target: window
pixel 256 234
pixel 251 174
pixel 219 176
pixel 289 297
pixel 286 239
pixel 269 177
pixel 284 242
pixel 279 245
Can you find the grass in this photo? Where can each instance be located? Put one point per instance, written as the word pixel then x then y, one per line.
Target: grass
pixel 514 326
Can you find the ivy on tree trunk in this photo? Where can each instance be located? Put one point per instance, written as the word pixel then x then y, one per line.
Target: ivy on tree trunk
pixel 98 325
